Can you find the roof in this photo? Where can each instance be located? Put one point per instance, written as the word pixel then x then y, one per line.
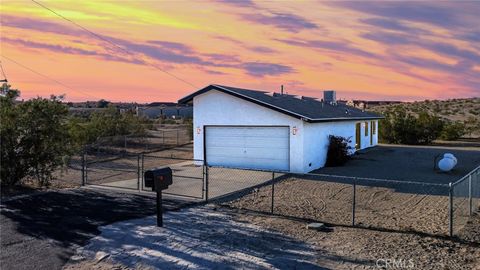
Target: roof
pixel 308 109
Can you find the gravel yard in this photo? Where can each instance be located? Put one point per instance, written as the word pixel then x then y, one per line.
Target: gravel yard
pixel 392 225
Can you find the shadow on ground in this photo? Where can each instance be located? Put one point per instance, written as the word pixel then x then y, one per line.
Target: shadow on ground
pixel 39 231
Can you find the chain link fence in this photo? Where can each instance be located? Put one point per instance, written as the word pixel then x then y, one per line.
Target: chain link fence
pixel 70 173
pixel 153 140
pixel 465 199
pixel 399 206
pixel 188 175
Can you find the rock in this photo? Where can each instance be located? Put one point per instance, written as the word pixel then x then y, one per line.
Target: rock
pixel 318 227
pixel 100 256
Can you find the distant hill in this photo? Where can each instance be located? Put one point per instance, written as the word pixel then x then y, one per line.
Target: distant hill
pixel 465 110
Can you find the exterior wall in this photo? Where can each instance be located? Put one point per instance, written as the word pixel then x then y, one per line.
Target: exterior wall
pixel 316 141
pixel 309 145
pixel 375 136
pixel 217 108
pixel 365 140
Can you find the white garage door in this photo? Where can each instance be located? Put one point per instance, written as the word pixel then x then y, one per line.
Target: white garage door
pixel 248 147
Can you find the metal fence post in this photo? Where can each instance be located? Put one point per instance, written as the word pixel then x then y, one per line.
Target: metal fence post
pixel 138 172
pixel 83 168
pixel 177 135
pixel 142 169
pixel 206 182
pixel 273 192
pixel 86 169
pixel 203 180
pixel 470 205
pixel 354 200
pixel 450 209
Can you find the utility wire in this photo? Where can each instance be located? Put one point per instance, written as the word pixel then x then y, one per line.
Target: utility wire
pixel 47 77
pixel 112 43
pixel 3 72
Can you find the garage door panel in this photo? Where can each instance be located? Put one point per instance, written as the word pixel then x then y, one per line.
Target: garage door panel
pixel 261 142
pixel 248 147
pixel 272 153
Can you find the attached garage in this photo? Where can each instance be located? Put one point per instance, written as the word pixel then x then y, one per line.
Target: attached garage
pixel 252 147
pixel 242 128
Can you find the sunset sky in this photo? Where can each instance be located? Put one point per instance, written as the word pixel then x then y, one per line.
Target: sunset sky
pixel 364 50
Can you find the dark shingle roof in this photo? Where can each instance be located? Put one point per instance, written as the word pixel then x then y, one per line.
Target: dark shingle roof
pixel 307 108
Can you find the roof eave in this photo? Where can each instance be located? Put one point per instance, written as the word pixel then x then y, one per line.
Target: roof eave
pixel 339 119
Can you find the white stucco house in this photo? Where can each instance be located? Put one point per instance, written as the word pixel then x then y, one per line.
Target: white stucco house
pixel 253 129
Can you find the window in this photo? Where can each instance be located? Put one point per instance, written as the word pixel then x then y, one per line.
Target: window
pixel 366 128
pixel 374 128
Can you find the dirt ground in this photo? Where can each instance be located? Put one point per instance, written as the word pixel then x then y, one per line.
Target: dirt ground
pixel 392 225
pixel 116 169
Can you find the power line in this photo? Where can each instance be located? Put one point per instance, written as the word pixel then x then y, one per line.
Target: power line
pixel 47 77
pixel 5 80
pixel 112 43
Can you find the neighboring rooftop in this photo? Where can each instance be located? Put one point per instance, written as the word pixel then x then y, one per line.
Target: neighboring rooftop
pixel 309 109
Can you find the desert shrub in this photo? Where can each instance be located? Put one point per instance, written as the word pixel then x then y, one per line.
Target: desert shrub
pixel 452 131
pixel 34 138
pixel 106 123
pixel 400 127
pixel 338 151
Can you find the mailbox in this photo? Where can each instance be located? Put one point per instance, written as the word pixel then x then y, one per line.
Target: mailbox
pixel 160 177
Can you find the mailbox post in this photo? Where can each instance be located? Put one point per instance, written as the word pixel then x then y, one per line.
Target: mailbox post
pixel 158 179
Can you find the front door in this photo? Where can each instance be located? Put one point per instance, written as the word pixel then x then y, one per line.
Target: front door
pixel 358 135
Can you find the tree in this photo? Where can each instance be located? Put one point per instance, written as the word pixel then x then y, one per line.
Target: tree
pixel 102 103
pixel 34 138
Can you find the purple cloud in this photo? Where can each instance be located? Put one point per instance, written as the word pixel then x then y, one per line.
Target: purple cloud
pixel 40 25
pixel 258 69
pixel 288 22
pixel 339 47
pixel 391 24
pixel 262 49
pixel 172 45
pixel 444 14
pixel 393 39
pixel 69 50
pixel 238 3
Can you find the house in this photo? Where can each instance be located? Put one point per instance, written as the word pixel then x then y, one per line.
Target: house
pixel 364 104
pixel 253 129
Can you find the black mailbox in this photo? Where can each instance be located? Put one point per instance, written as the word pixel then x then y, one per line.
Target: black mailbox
pixel 160 177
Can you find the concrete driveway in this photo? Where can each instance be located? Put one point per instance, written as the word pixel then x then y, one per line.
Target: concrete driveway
pixel 42 230
pixel 188 180
pixel 406 163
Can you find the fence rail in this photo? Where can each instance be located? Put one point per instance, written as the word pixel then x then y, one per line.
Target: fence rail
pixel 345 200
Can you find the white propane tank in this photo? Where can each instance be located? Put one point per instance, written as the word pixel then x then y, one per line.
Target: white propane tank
pixel 447 163
pixel 449 155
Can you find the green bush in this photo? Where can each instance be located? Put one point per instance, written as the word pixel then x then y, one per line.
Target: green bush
pixel 106 123
pixel 453 131
pixel 34 138
pixel 338 151
pixel 400 127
